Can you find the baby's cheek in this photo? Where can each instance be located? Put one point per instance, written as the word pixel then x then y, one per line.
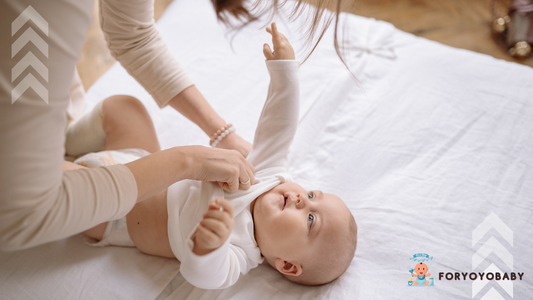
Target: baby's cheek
pixel 279 231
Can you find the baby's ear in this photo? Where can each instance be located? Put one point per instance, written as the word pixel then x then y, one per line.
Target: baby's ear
pixel 288 268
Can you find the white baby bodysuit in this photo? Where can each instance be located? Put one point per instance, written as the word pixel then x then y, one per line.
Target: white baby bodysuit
pixel 188 200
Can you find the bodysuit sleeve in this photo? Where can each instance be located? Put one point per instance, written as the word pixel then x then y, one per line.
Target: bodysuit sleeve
pixel 279 119
pixel 133 39
pixel 217 270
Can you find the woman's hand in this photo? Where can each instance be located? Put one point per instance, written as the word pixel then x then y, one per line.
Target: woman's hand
pixel 235 142
pixel 227 167
pixel 282 47
pixel 215 227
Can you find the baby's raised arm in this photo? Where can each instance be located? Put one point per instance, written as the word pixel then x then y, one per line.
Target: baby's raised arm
pixel 282 48
pixel 213 262
pixel 279 119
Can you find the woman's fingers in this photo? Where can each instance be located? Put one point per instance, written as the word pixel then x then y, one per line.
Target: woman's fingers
pixel 251 172
pixel 227 167
pixel 225 186
pixel 231 185
pixel 246 178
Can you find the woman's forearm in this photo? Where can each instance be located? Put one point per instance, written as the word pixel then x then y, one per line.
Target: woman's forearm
pixel 133 39
pixel 156 172
pixel 192 104
pixel 159 170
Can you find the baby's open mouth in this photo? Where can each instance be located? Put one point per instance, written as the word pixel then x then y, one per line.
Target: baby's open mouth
pixel 284 202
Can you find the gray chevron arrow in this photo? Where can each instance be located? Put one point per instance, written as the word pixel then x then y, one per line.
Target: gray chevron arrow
pixel 492 294
pixel 492 221
pixel 29 36
pixel 29 60
pixel 29 14
pixel 492 246
pixel 479 284
pixel 27 82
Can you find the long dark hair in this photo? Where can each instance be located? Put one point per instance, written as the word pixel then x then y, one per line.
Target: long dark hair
pixel 225 9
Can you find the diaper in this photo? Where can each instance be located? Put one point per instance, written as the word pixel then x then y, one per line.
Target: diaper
pixel 110 157
pixel 116 234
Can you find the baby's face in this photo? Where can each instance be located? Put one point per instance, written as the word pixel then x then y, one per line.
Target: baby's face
pixel 421 269
pixel 293 224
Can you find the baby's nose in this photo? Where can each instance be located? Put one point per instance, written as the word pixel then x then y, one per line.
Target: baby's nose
pixel 298 200
pixel 294 197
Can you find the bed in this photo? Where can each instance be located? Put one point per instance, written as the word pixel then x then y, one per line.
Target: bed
pixel 431 148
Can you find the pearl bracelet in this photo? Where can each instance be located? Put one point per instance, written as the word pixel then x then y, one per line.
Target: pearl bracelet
pixel 221 134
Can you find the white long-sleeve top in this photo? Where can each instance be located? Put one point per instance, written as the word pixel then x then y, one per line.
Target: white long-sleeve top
pixel 38 202
pixel 188 200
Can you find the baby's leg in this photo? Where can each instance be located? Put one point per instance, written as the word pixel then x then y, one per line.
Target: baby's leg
pixel 127 124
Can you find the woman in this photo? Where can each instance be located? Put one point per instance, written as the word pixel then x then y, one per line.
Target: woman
pixel 42 197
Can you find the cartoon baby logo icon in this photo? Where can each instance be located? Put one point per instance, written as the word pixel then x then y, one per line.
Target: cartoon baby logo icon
pixel 420 272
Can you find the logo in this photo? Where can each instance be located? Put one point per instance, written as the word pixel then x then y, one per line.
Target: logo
pixel 420 275
pixel 504 275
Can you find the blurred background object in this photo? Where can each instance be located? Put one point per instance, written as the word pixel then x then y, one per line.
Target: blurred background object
pixel 469 24
pixel 512 26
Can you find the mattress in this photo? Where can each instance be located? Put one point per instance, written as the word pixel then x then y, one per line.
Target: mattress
pixel 429 146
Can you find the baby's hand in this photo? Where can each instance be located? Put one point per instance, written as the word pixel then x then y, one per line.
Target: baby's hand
pixel 282 47
pixel 215 227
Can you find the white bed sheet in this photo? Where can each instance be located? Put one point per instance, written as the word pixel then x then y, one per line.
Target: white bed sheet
pixel 427 144
pixel 71 269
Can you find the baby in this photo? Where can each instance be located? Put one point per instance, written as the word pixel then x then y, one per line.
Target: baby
pixel 308 236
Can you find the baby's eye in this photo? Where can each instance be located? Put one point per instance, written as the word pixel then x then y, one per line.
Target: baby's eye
pixel 310 196
pixel 310 219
